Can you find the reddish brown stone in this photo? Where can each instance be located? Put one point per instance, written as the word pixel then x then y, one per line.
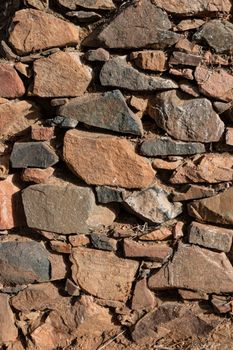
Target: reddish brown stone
pixel 155 252
pixel 229 136
pixel 191 295
pixel 60 247
pixel 143 298
pixel 71 288
pixel 182 72
pixel 193 192
pixel 36 175
pixel 157 235
pixel 189 24
pixel 184 59
pixel 189 88
pixel 11 86
pixel 79 240
pixel 166 165
pixel 42 133
pixel 189 47
pixel 8 329
pixel 154 60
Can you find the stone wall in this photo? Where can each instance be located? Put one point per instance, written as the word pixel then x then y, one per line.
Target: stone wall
pixel 116 168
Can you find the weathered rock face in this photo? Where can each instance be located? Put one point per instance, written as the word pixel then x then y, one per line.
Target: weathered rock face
pixel 116 165
pixel 37 175
pixel 34 30
pixel 89 4
pixel 11 84
pixel 9 331
pixel 107 111
pixel 185 118
pixel 154 60
pixel 154 252
pixel 193 192
pixel 107 194
pixel 109 277
pixel 143 298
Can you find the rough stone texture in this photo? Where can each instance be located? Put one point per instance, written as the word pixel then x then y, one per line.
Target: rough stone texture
pixel 154 60
pixel 217 84
pixel 185 118
pixel 46 206
pixel 8 330
pixel 154 252
pixel 98 55
pixel 84 16
pixel 116 165
pixel 217 34
pixel 38 4
pixel 109 277
pixel 34 30
pixel 61 74
pixel 189 88
pixel 106 194
pixel 165 146
pixel 166 165
pixel 209 167
pixel 195 268
pixel 36 175
pixel 153 205
pixel 41 133
pixel 89 4
pixel 192 295
pixel 189 24
pixel 184 59
pixel 107 111
pixel 229 136
pixel 143 298
pixel 33 154
pixel 211 236
pixel 160 234
pixel 116 72
pixel 102 242
pixel 11 86
pixel 193 192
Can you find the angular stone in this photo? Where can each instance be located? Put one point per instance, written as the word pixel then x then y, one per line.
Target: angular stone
pixel 191 295
pixel 189 24
pixel 222 303
pixel 217 84
pixel 103 242
pixel 60 247
pixel 209 167
pixel 109 277
pixel 165 146
pixel 38 4
pixel 184 59
pixel 98 55
pixel 79 240
pixel 34 30
pixel 38 176
pixel 215 209
pixel 8 329
pixel 154 252
pixel 190 47
pixel 84 16
pixel 166 165
pixel 149 24
pixel 106 194
pixel 52 80
pixel 108 111
pixel 116 72
pixel 143 298
pixel 33 154
pixel 71 288
pixel 217 34
pixel 89 4
pixel 154 60
pixel 189 88
pixel 210 236
pixel 229 136
pixel 11 86
pixel 46 206
pixel 193 192
pixel 157 235
pixel 193 8
pixel 197 269
pixel 41 133
pixel 152 205
pixel 106 160
pixel 185 118
pixel 182 72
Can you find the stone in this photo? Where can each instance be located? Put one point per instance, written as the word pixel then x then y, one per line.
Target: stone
pixel 98 55
pixel 143 298
pixel 197 269
pixel 213 59
pixel 103 242
pixel 189 24
pixel 209 167
pixel 42 133
pixel 185 118
pixel 88 4
pixel 191 295
pixel 217 34
pixel 191 191
pixel 165 146
pixel 46 206
pixel 178 230
pixel 166 165
pixel 53 32
pixel 4 166
pixel 154 60
pixel 117 73
pixel 33 154
pixel 8 331
pixel 215 209
pixel 184 59
pixel 109 277
pixel 11 86
pixel 52 80
pixel 190 47
pixel 221 303
pixel 106 194
pixel 38 176
pixel 150 25
pixel 139 103
pixel 60 247
pixel 154 252
pixel 196 7
pixel 79 240
pixel 152 205
pixel 215 83
pixel 159 234
pixel 211 237
pixel 186 73
pixel 84 16
pixel 189 88
pixel 108 111
pixel 24 69
pixel 120 165
pixel 229 136
pixel 38 4
pixel 71 288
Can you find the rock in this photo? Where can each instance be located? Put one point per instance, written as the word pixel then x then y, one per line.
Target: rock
pixel 84 16
pixel 11 84
pixel 209 167
pixel 98 55
pixel 143 298
pixel 189 88
pixel 178 230
pixel 213 59
pixel 182 72
pixel 109 277
pixel 54 32
pixel 79 240
pixel 24 69
pixel 8 330
pixel 38 176
pixel 103 243
pixel 217 34
pixel 154 60
pixel 191 295
pixel 60 247
pixel 193 192
pixel 120 165
pixel 217 84
pixel 152 205
pixel 52 80
pixel 108 111
pixel 189 24
pixel 184 59
pixel 197 269
pixel 38 4
pixel 118 74
pixel 190 47
pixel 185 118
pixel 166 165
pixel 41 133
pixel 106 194
pixel 89 4
pixel 139 103
pixel 215 209
pixel 71 288
pixel 211 236
pixel 77 204
pixel 221 303
pixel 154 252
pixel 33 154
pixel 159 234
pixel 165 146
pixel 196 7
pixel 229 136
pixel 149 24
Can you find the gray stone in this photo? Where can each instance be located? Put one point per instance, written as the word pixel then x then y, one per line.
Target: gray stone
pixel 98 55
pixel 62 122
pixel 107 194
pixel 211 236
pixel 84 16
pixel 88 4
pixel 165 146
pixel 116 72
pixel 184 59
pixel 107 111
pixel 33 154
pixel 103 242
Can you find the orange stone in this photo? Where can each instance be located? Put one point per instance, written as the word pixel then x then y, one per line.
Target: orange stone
pixel 39 176
pixel 42 133
pixel 11 86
